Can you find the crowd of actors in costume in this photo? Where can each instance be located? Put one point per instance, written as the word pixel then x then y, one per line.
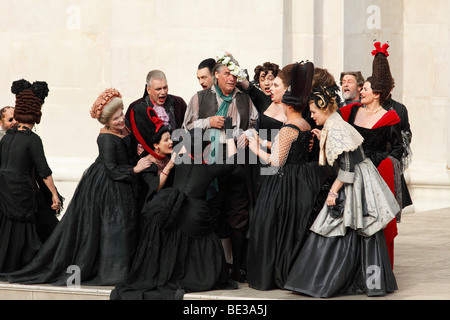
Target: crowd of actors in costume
pixel 174 203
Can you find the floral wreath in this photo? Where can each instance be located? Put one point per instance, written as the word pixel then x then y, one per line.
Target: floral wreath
pixel 223 58
pixel 102 100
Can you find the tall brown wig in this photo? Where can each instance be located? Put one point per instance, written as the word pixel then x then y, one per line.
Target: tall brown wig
pixel 381 80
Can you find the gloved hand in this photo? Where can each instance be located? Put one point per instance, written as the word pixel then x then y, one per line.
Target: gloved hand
pixel 229 128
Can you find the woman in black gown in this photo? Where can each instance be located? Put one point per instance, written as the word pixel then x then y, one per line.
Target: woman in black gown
pixel 287 196
pixel 346 253
pixel 381 129
pixel 22 164
pixel 179 251
pixel 96 235
pixel 271 116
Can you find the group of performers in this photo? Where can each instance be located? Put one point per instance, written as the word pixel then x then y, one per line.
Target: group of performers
pixel 316 214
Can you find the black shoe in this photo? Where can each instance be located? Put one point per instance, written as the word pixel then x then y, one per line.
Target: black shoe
pixel 239 275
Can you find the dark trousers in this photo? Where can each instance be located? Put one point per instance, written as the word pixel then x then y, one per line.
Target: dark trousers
pixel 231 205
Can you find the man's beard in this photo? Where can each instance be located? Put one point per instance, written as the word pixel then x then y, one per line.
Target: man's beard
pixel 349 95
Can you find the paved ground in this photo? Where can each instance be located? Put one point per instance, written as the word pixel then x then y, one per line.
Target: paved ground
pixel 422 269
pixel 421 266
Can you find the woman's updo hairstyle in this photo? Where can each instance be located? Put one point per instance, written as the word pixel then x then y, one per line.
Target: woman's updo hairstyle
pixel 325 98
pixel 29 100
pixel 301 81
pixel 325 90
pixel 107 103
pixel 381 80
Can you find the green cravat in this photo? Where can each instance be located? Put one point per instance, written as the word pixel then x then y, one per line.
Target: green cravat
pixel 215 133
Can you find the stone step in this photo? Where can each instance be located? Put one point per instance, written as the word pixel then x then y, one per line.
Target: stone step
pixel 10 291
pixel 421 269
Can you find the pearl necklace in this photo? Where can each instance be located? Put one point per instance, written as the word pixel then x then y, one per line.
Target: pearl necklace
pixel 372 112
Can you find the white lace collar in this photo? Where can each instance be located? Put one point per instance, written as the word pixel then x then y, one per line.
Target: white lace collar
pixel 337 136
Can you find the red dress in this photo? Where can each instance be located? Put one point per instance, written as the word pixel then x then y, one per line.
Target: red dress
pixel 382 143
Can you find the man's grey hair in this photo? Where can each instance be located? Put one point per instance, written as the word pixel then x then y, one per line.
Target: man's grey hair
pixel 155 74
pixel 358 76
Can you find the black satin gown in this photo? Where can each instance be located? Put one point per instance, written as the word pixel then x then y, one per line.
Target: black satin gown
pixel 282 216
pixel 97 233
pixel 26 218
pixel 179 251
pixel 352 264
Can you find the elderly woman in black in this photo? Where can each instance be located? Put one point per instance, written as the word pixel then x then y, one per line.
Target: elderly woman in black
pixel 97 233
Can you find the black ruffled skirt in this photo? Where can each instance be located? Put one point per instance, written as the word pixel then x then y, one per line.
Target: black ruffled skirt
pixel 348 265
pixel 284 211
pixel 96 235
pixel 178 252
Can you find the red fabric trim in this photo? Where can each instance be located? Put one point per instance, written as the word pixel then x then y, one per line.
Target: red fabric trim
pixel 139 137
pixel 155 119
pixel 388 119
pixel 346 110
pixel 386 169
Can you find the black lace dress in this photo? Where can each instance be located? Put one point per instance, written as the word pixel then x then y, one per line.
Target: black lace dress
pixel 281 218
pixel 97 232
pixel 24 224
pixel 179 251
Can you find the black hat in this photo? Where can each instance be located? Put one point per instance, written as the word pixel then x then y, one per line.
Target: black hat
pixel 148 129
pixel 300 89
